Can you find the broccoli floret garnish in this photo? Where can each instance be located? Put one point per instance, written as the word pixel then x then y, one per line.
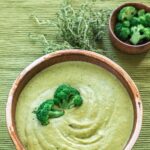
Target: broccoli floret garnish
pixel 127 13
pixel 65 97
pixel 46 111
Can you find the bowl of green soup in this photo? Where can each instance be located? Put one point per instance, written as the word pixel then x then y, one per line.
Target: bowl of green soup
pixel 74 99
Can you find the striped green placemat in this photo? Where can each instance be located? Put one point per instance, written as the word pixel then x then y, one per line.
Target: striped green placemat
pixel 16 52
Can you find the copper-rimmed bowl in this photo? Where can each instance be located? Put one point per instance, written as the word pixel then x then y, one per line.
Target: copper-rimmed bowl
pixel 123 46
pixel 72 55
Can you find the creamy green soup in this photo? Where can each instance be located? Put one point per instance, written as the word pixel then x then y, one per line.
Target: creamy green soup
pixel 103 122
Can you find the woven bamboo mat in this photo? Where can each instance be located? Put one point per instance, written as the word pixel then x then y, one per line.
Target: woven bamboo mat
pixel 17 51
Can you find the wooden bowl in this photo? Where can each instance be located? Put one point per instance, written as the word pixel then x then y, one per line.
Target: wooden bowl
pixel 123 46
pixel 72 55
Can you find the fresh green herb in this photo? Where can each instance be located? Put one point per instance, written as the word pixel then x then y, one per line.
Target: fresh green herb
pixel 49 46
pixel 79 29
pixel 83 27
pixel 133 25
pixel 65 97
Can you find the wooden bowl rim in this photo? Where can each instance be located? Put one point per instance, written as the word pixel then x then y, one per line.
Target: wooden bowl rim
pixel 110 23
pixel 138 103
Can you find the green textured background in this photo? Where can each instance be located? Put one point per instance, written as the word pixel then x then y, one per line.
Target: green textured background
pixel 16 52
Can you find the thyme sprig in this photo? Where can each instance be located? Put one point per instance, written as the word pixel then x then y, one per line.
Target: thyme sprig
pixel 49 46
pixel 79 29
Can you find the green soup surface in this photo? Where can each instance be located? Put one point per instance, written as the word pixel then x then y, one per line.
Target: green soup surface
pixel 103 122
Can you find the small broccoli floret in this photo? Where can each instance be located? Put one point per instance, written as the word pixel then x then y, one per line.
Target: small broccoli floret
pixel 118 28
pixel 65 96
pixel 46 111
pixel 141 12
pixel 137 34
pixel 127 13
pixel 147 16
pixel 135 21
pixel 63 91
pixel 122 32
pixel 143 20
pixel 126 24
pixel 146 33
